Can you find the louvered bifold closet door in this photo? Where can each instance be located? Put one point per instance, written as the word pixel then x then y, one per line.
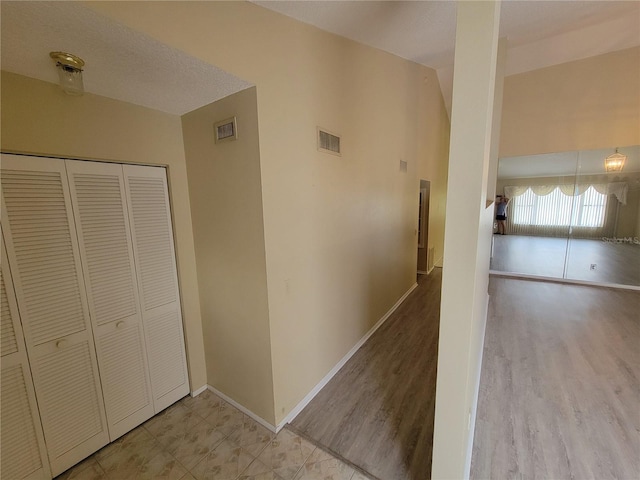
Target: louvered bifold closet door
pixel 150 218
pixel 22 449
pixel 42 248
pixel 97 194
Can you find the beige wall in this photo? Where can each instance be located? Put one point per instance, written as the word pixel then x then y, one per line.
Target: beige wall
pixel 629 213
pixel 226 210
pixel 582 105
pixel 434 138
pixel 340 232
pixel 38 118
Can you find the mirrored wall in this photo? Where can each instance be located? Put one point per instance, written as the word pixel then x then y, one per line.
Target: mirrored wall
pixel 571 215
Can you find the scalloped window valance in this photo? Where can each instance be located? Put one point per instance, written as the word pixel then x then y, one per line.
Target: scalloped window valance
pixel 619 189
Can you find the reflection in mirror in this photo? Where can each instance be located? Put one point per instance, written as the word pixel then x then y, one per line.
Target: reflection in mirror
pixel 604 245
pixel 569 218
pixel 537 229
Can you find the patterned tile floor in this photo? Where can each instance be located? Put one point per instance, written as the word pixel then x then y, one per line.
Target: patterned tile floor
pixel 206 438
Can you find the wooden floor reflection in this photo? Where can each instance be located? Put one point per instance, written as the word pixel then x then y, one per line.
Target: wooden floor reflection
pixel 615 263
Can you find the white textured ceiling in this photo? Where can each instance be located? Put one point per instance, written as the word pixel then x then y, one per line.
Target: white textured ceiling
pixel 120 63
pixel 130 66
pixel 586 162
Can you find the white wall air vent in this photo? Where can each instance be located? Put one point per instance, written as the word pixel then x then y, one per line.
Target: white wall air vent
pixel 328 142
pixel 226 130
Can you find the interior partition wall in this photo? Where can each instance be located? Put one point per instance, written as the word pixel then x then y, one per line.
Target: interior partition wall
pixel 568 218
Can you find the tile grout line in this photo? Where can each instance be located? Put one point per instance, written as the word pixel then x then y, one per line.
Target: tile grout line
pixel 304 462
pixel 164 449
pixel 326 449
pixel 202 420
pixel 255 459
pixel 225 437
pixel 156 442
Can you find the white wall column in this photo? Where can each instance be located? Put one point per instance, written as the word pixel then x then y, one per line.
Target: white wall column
pixel 497 119
pixel 468 232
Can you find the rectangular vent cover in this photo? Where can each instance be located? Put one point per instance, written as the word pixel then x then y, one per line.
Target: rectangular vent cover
pixel 226 130
pixel 328 142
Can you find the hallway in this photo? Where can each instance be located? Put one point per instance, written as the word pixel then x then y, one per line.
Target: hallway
pixel 378 411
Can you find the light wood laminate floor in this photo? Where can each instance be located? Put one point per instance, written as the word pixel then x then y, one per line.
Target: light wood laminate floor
pixel 560 384
pixel 378 411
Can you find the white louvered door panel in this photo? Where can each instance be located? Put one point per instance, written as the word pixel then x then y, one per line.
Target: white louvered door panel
pixel 22 448
pixel 42 248
pixel 9 342
pixel 97 193
pixel 150 218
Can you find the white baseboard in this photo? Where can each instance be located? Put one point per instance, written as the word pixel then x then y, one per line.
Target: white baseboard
pixel 432 269
pixel 568 281
pixel 305 401
pixel 197 392
pixel 243 409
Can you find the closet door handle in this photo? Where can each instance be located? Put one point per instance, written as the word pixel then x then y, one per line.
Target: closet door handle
pixel 61 343
pixel 120 324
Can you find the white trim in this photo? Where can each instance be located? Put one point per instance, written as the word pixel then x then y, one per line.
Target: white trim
pixel 303 403
pixel 474 403
pixel 568 281
pixel 197 392
pixel 243 409
pixel 433 268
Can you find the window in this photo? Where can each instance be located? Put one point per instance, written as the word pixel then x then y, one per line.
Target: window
pixel 523 208
pixel 560 210
pixel 592 208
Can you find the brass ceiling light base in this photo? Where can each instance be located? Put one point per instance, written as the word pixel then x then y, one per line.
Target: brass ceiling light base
pixel 69 72
pixel 67 60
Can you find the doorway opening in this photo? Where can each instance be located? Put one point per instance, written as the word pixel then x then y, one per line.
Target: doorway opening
pixel 425 254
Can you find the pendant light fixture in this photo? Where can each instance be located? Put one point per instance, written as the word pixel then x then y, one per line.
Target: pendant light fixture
pixel 614 162
pixel 69 72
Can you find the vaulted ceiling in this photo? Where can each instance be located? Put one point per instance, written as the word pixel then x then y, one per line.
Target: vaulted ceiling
pixel 539 33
